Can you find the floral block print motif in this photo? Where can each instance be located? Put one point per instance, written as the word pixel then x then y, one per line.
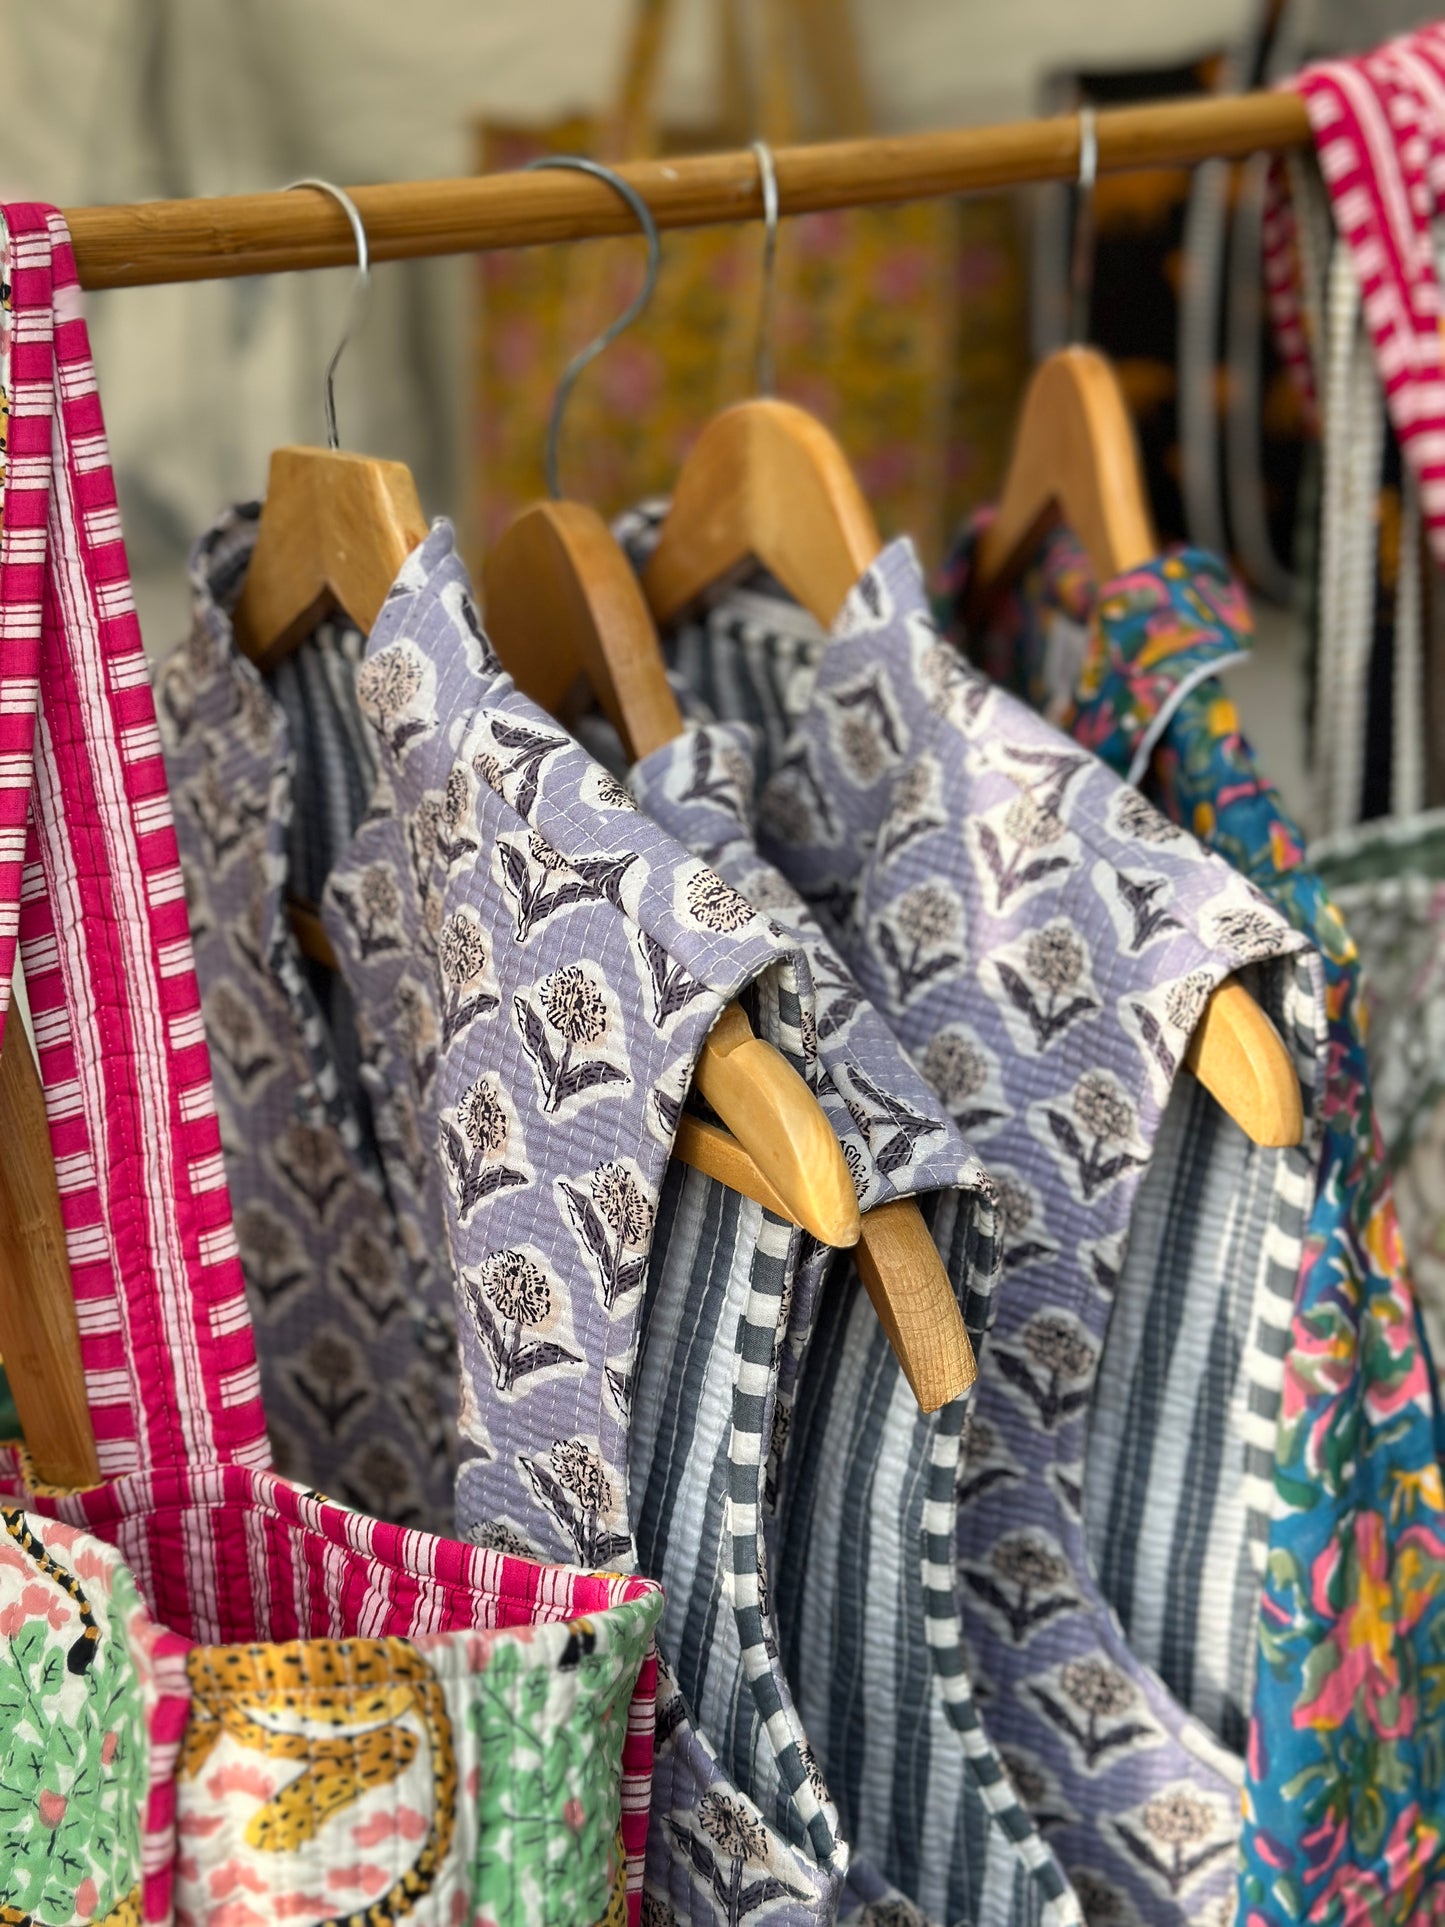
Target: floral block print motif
pixel 76 1694
pixel 713 1858
pixel 834 1397
pixel 1342 1799
pixel 1048 837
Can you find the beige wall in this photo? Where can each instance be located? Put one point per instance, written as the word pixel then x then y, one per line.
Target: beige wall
pixel 385 86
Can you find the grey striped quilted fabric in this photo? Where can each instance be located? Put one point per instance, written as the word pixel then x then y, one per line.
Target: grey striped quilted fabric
pixel 858 1497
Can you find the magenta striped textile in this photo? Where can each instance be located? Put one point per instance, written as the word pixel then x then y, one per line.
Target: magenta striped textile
pixel 290 1564
pixel 223 1550
pixel 1379 133
pixel 166 1341
pixel 167 1730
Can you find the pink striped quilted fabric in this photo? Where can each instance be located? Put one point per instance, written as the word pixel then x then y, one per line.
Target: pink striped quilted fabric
pixel 95 884
pixel 223 1550
pixel 1379 132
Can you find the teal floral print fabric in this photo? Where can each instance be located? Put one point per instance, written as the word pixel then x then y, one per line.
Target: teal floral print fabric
pixel 1344 1803
pixel 1388 880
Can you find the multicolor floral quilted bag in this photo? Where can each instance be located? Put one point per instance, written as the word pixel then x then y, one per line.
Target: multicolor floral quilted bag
pixel 223 1697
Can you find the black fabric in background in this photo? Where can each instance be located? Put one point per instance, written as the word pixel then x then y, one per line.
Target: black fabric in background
pixel 1134 311
pixel 1381 695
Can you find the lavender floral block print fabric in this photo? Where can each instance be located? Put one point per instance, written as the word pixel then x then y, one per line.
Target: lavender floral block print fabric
pixel 530 968
pixel 338 1236
pixel 564 961
pixel 1043 944
pixel 924 1799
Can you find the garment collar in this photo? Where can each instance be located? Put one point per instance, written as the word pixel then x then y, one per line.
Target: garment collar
pixel 882 681
pixel 897 1139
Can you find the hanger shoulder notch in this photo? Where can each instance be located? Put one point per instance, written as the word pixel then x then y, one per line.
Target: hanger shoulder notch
pixel 563 602
pixel 897 1260
pixel 708 1148
pixel 1241 1060
pixel 335 530
pixel 765 481
pixel 910 1289
pixel 1075 458
pixel 770 1110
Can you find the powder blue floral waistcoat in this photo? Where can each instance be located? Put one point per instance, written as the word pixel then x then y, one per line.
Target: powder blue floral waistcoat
pixel 1345 1790
pixel 1042 942
pixel 566 960
pixel 860 1483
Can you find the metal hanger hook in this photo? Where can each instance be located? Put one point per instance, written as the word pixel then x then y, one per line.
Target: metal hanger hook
pixel 580 164
pixel 1088 148
pixel 356 302
pixel 1081 259
pixel 764 372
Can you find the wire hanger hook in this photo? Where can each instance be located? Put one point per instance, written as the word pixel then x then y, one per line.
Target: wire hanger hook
pixel 579 163
pixel 356 301
pixel 764 370
pixel 1081 258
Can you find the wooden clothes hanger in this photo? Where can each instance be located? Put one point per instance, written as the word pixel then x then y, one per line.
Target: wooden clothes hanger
pixel 335 528
pixel 563 604
pixel 1075 459
pixel 334 532
pixel 766 483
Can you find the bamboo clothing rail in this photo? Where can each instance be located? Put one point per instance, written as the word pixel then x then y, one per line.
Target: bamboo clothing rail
pixel 145 243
